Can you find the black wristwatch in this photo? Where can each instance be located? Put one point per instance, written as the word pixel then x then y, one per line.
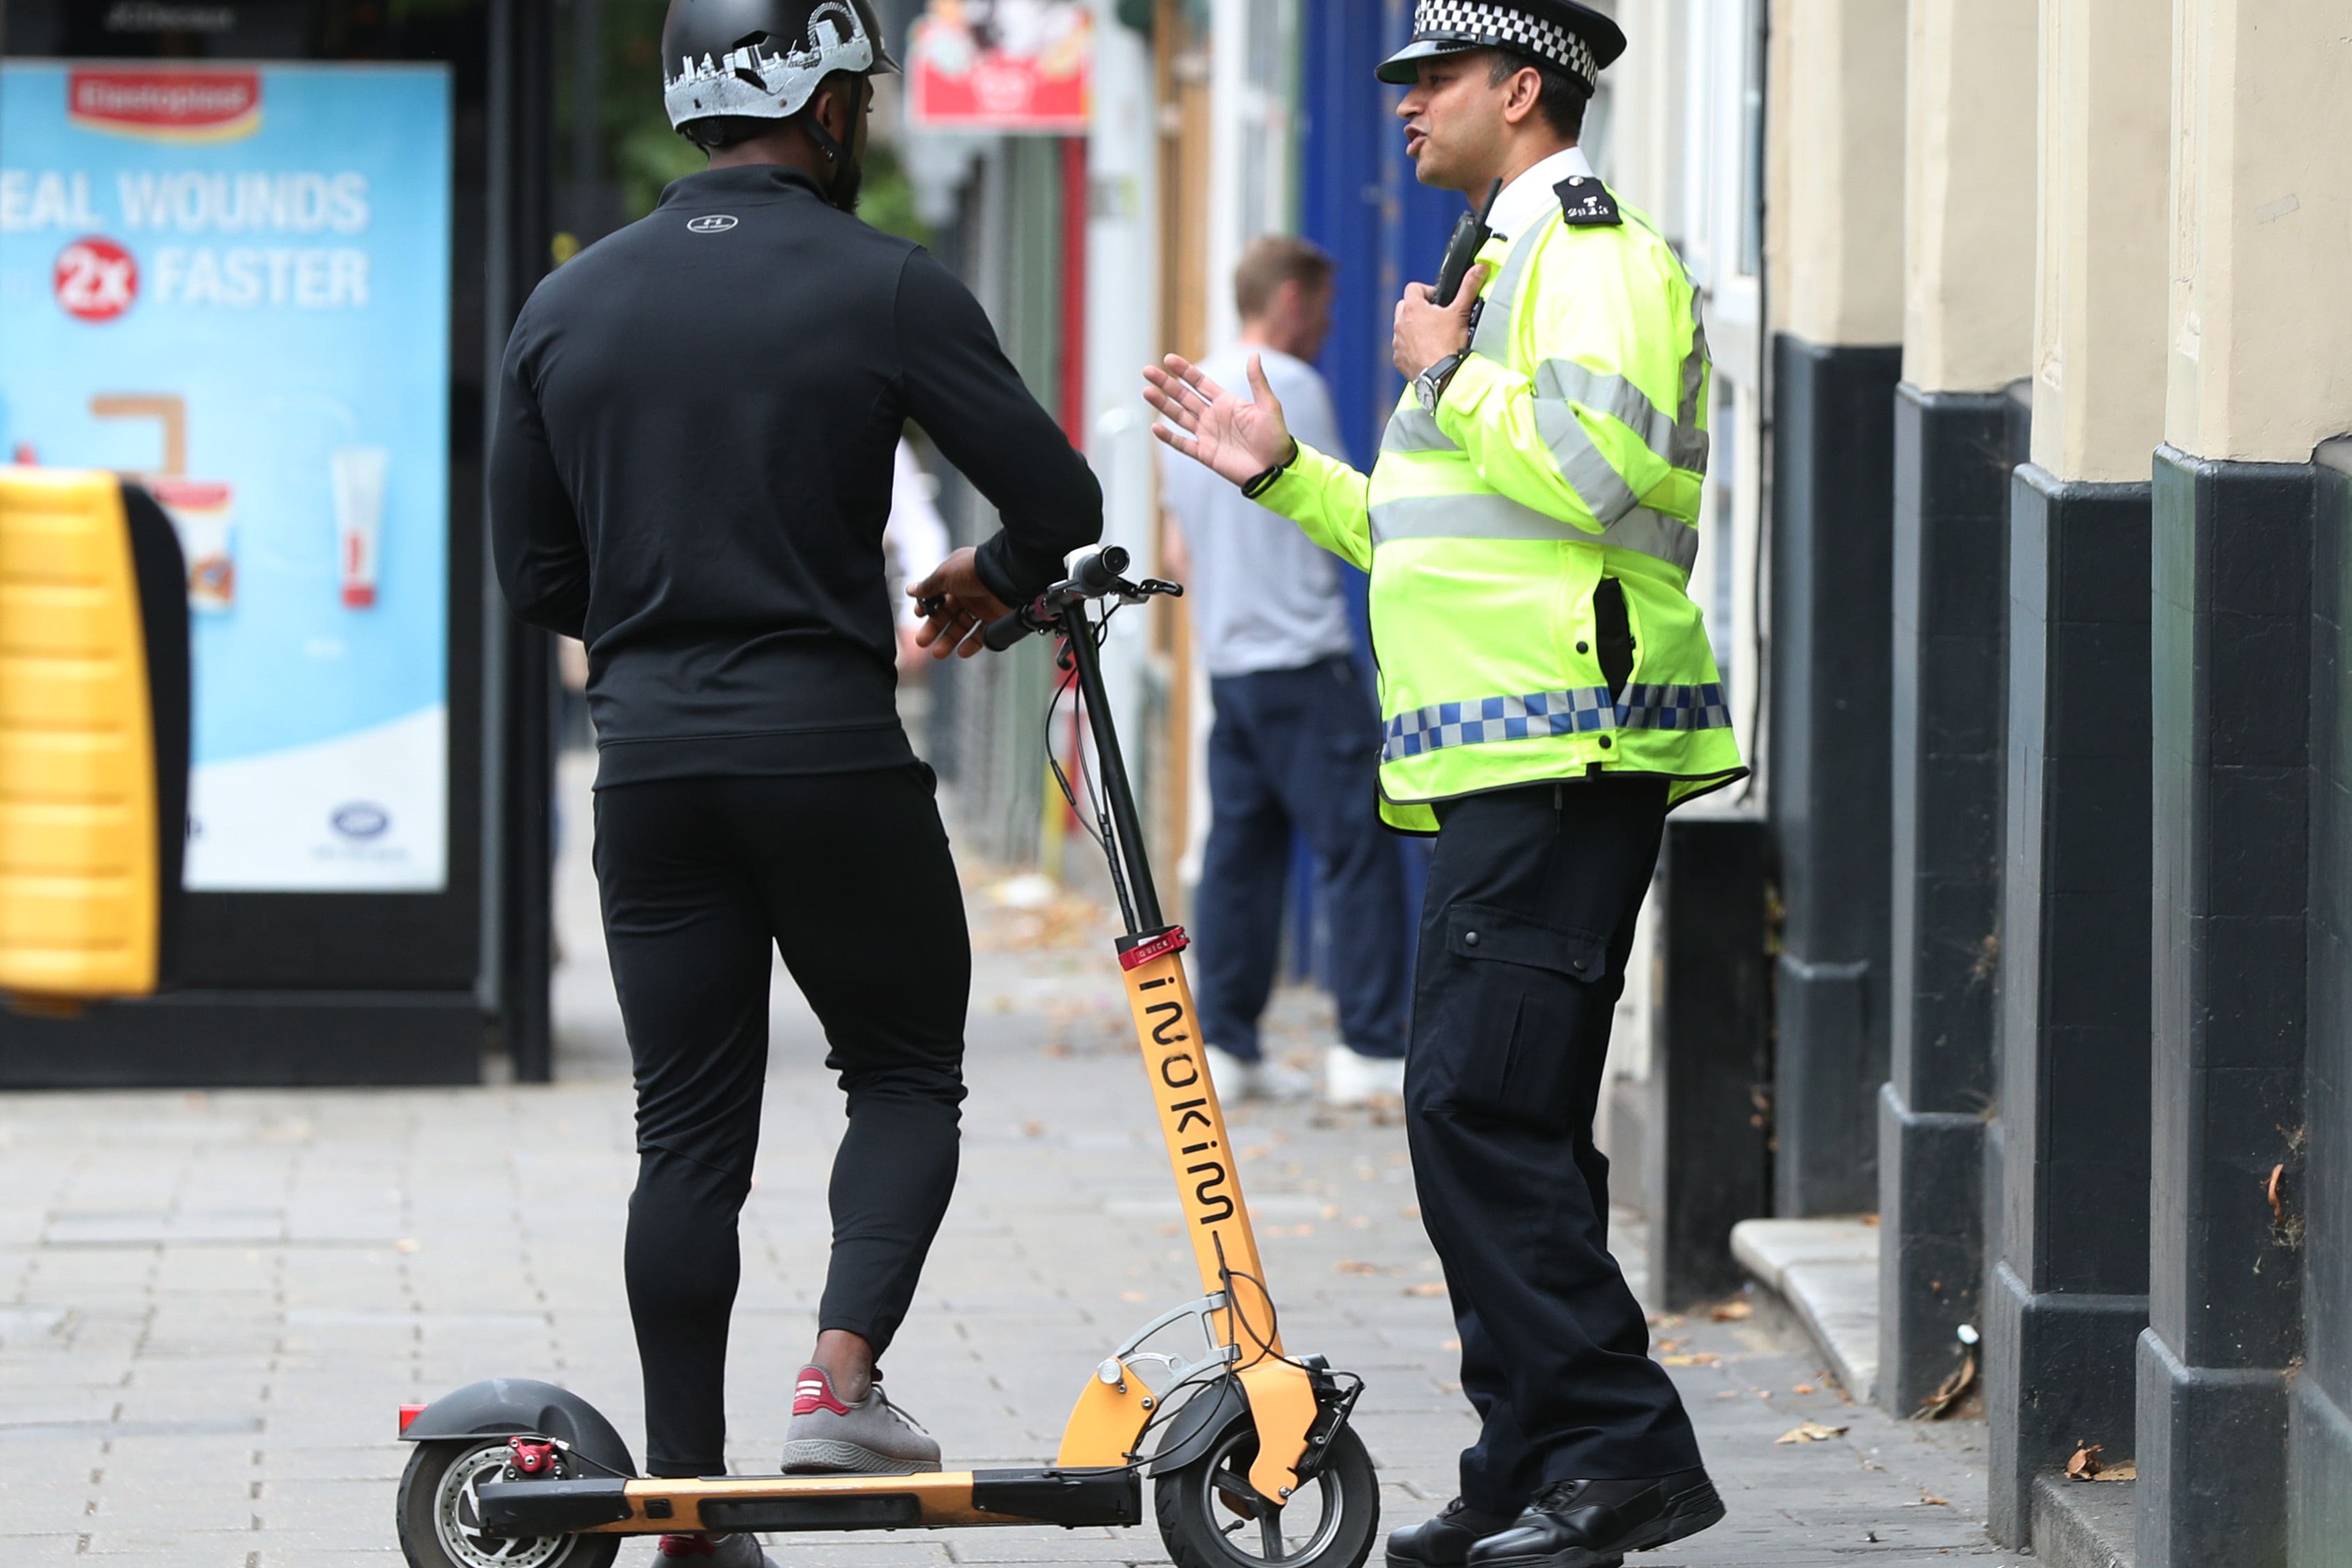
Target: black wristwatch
pixel 1430 385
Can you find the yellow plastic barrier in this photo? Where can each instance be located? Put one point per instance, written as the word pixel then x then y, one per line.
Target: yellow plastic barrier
pixel 81 863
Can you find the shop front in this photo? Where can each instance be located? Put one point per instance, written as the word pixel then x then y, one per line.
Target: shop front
pixel 261 257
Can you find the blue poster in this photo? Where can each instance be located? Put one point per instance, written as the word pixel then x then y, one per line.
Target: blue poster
pixel 232 283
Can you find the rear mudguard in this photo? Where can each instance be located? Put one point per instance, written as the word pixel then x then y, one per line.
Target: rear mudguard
pixel 1193 1430
pixel 508 1407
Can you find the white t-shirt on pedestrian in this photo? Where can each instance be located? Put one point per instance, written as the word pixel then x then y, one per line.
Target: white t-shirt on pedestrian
pixel 1263 597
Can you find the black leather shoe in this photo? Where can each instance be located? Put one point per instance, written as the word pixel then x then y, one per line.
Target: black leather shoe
pixel 1592 1524
pixel 1444 1541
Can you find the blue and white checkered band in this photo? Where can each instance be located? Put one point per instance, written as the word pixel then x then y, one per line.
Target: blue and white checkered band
pixel 1542 715
pixel 1473 21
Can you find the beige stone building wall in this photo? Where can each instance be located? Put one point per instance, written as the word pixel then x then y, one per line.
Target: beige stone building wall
pixel 1838 110
pixel 1967 319
pixel 2106 126
pixel 2260 331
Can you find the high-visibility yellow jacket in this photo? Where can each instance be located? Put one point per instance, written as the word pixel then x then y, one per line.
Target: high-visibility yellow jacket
pixel 1569 453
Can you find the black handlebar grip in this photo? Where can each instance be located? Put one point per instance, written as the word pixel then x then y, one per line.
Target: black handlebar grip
pixel 1099 573
pixel 1004 631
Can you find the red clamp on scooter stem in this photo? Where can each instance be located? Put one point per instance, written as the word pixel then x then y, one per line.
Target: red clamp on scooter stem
pixel 1134 952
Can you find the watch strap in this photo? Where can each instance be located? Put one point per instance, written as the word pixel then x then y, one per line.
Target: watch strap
pixel 1264 482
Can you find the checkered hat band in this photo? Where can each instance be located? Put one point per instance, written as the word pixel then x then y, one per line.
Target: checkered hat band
pixel 1490 25
pixel 1541 716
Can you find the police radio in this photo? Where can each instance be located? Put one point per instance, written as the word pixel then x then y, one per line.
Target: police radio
pixel 1470 237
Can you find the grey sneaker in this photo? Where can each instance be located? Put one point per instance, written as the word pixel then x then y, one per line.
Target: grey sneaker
pixel 738 1551
pixel 871 1438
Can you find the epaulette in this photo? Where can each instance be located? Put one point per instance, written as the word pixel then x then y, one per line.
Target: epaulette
pixel 1585 202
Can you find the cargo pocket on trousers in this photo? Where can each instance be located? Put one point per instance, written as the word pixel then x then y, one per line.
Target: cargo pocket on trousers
pixel 1522 995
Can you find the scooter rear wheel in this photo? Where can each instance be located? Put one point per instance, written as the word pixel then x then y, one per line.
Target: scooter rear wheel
pixel 440 1518
pixel 1211 1517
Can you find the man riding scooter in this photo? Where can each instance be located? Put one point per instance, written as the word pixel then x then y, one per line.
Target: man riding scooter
pixel 691 473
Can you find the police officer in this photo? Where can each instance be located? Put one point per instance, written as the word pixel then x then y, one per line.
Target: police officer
pixel 1549 693
pixel 692 472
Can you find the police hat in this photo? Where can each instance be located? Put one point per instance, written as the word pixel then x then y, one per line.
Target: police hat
pixel 1576 38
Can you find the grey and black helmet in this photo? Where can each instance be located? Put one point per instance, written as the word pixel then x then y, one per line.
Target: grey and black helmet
pixel 763 60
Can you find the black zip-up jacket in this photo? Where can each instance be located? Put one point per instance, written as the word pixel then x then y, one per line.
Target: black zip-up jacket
pixel 692 468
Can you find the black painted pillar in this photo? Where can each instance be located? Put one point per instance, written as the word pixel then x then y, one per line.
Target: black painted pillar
pixel 1707 1160
pixel 1827 754
pixel 1952 462
pixel 2319 1463
pixel 2068 1295
pixel 2232 882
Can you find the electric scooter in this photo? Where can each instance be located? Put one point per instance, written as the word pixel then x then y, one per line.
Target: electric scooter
pixel 1252 1459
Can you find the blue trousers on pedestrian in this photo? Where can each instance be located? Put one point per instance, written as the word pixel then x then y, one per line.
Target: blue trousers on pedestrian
pixel 1297 750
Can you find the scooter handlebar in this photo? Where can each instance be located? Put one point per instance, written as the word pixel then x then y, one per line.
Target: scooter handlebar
pixel 1098 572
pixel 1006 630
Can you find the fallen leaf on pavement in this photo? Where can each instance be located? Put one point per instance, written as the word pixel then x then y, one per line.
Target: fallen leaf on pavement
pixel 1351 1266
pixel 2084 1465
pixel 1809 1432
pixel 1667 1344
pixel 1697 1358
pixel 1734 1312
pixel 1802 1388
pixel 1929 1499
pixel 406 1244
pixel 1426 1288
pixel 1953 1389
pixel 2127 1471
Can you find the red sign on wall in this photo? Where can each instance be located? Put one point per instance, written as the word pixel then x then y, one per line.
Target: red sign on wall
pixel 170 105
pixel 1002 65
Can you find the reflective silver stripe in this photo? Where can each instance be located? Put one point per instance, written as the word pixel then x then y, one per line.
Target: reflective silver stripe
pixel 1677 442
pixel 1655 535
pixel 1414 429
pixel 1493 338
pixel 1581 462
pixel 1490 517
pixel 1690 444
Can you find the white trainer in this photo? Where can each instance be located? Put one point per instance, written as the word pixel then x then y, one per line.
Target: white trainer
pixel 1238 1080
pixel 1351 1078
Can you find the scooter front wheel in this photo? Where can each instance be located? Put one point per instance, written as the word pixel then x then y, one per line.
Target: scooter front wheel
pixel 1211 1517
pixel 440 1515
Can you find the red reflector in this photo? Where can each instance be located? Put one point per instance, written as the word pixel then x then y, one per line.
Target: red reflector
pixel 408 1413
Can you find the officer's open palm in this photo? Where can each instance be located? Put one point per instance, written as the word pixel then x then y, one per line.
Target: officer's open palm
pixel 1239 438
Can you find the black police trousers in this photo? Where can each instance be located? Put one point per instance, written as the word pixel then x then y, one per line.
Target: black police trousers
pixel 849 877
pixel 1525 931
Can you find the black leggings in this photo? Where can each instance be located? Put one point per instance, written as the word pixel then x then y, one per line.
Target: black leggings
pixel 849 875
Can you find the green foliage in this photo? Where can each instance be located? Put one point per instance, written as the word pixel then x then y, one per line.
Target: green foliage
pixel 888 202
pixel 648 155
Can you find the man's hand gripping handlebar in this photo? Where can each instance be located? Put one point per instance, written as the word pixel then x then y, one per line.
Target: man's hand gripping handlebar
pixel 1094 574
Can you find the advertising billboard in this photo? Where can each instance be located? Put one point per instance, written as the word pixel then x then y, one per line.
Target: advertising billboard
pixel 233 282
pixel 1001 65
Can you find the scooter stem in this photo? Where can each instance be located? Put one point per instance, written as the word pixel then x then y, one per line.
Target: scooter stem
pixel 1141 905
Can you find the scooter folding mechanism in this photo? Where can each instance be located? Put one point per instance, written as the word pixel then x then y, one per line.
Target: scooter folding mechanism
pixel 1252 1459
